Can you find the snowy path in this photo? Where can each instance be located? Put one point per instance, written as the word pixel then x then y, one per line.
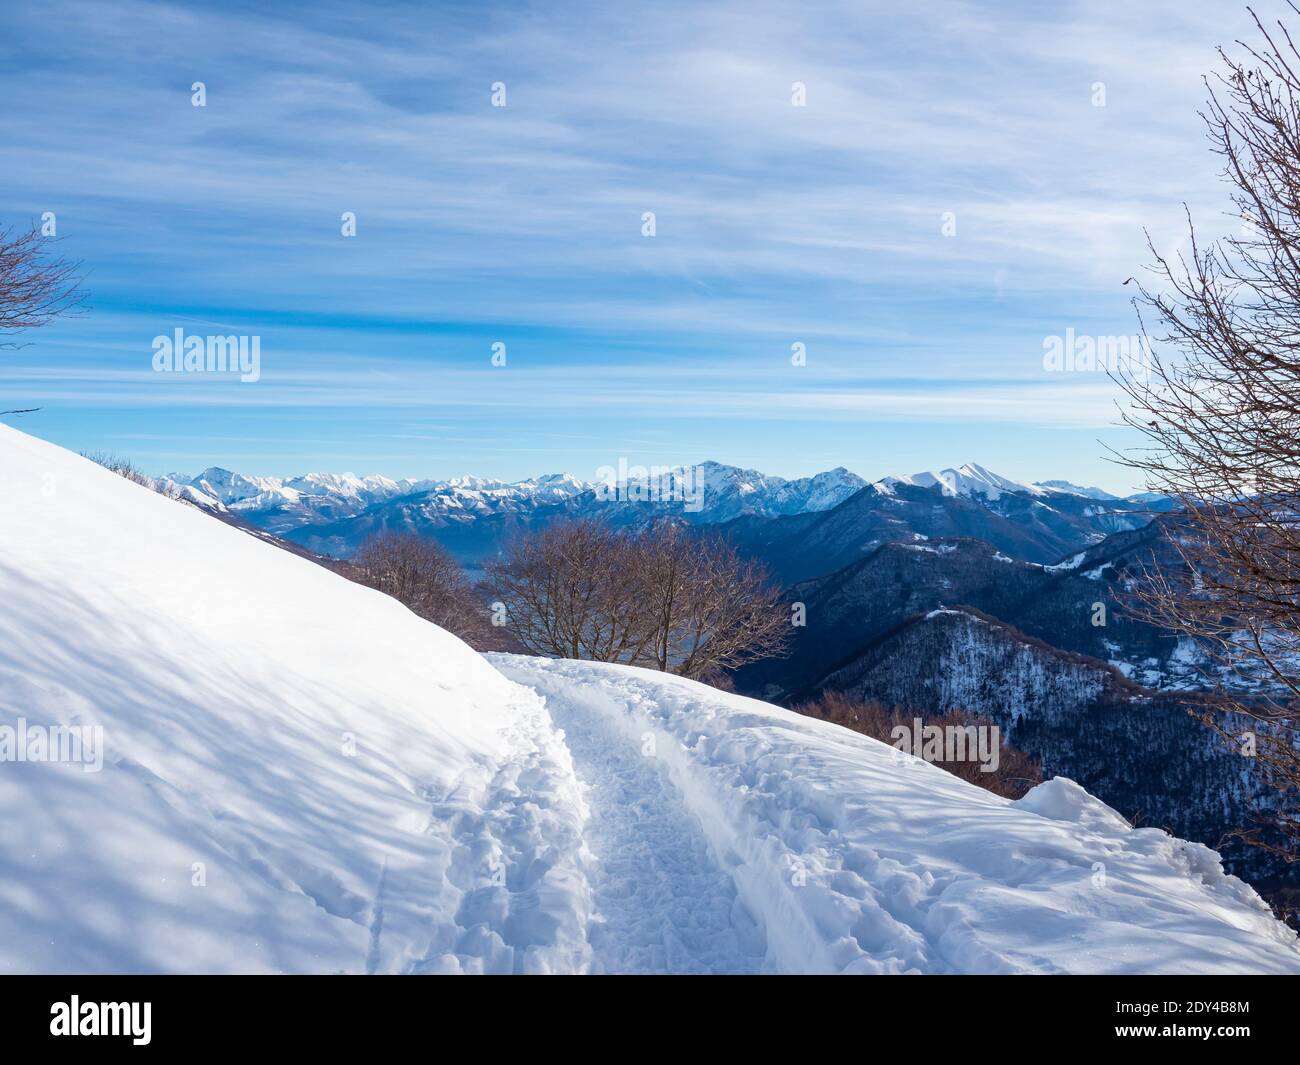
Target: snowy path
pixel 661 903
pixel 748 838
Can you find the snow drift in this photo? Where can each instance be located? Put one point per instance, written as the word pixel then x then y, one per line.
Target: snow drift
pixel 300 775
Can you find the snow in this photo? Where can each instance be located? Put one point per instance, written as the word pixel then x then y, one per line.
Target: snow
pixel 232 680
pixel 1090 492
pixel 1073 562
pixel 853 857
pixel 939 549
pixel 299 775
pixel 662 905
pixel 968 480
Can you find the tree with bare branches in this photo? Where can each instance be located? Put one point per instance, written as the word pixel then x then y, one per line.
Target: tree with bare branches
pixel 711 609
pixel 665 597
pixel 568 592
pixel 1219 406
pixel 35 287
pixel 424 577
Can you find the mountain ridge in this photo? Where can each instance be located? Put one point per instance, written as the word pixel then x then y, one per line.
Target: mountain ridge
pixel 335 513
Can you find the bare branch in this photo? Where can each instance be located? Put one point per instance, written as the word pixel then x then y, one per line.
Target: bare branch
pixel 35 287
pixel 1219 408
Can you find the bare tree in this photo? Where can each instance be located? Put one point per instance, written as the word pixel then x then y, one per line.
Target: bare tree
pixel 665 598
pixel 35 287
pixel 567 592
pixel 422 575
pixel 1220 410
pixel 711 609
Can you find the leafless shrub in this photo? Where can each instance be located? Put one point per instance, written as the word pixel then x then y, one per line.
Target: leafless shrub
pixel 123 468
pixel 1220 410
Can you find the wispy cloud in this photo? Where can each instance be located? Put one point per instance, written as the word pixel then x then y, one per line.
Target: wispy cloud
pixel 776 224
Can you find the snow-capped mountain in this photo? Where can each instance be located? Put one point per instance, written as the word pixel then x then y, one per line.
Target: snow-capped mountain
pixel 971 481
pixel 730 492
pixel 1087 493
pixel 232 489
pixel 974 481
pixel 335 513
pixel 288 502
pixel 284 771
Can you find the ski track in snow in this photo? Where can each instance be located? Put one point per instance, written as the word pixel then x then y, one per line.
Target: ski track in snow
pixel 661 902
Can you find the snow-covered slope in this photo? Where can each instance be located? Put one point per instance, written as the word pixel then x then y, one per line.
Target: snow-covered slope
pixel 845 855
pixel 1090 492
pixel 300 775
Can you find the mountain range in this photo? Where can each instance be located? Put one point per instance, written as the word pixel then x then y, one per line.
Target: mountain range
pixel 335 513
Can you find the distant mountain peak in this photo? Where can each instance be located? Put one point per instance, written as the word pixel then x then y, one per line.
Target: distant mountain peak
pixel 969 480
pixel 1078 490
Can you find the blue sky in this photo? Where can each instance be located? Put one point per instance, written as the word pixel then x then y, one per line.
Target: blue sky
pixel 522 224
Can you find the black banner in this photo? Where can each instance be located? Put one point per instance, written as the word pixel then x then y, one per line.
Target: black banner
pixel 343 1014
